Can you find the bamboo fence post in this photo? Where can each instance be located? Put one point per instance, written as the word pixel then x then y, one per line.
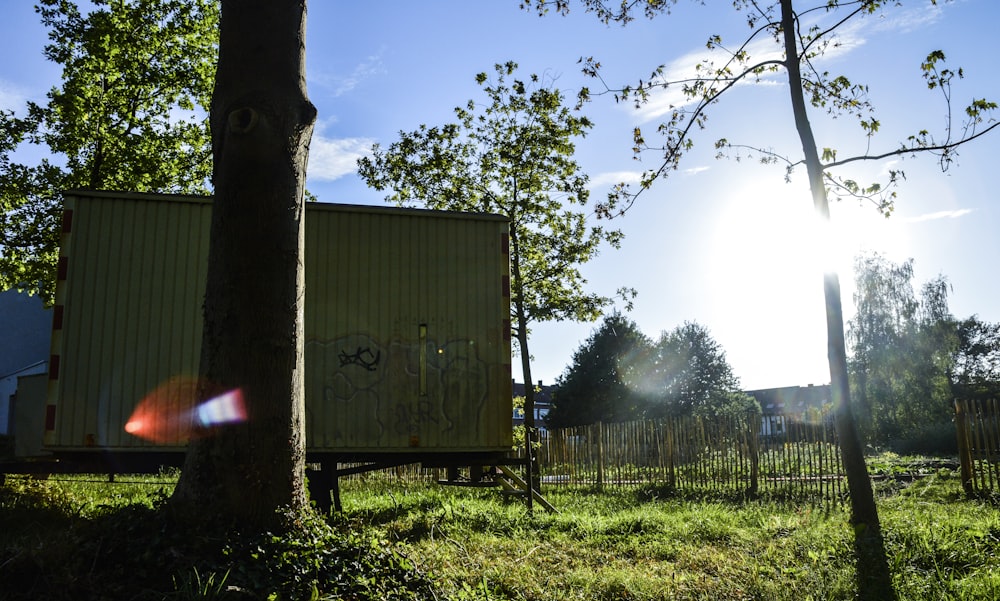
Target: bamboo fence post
pixel 600 456
pixel 731 454
pixel 754 458
pixel 616 451
pixel 810 467
pixel 661 471
pixel 977 443
pixel 964 451
pixel 839 458
pixel 990 440
pixel 735 453
pixel 671 473
pixel 822 471
pixel 702 467
pixel 800 461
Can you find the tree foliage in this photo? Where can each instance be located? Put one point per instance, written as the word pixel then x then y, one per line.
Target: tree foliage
pixel 513 156
pixel 910 357
pixel 976 370
pixel 687 373
pixel 130 114
pixel 903 347
pixel 619 374
pixel 599 384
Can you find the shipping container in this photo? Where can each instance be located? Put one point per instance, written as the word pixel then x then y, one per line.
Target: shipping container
pixel 407 323
pixel 29 414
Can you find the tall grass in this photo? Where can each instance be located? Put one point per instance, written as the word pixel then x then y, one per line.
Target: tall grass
pixel 639 544
pixel 617 544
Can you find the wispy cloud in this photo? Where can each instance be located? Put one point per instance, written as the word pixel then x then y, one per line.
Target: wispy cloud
pixel 12 97
pixel 695 170
pixel 849 38
pixel 663 101
pixel 612 178
pixel 333 80
pixel 333 158
pixel 955 214
pixel 911 19
pixel 368 68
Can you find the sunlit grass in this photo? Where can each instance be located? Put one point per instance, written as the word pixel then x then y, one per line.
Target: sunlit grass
pixel 627 545
pixel 88 494
pixel 640 544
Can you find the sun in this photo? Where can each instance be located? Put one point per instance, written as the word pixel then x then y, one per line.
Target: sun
pixel 775 230
pixel 766 259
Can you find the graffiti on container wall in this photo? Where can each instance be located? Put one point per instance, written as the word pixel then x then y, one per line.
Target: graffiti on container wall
pixel 409 420
pixel 376 393
pixel 363 357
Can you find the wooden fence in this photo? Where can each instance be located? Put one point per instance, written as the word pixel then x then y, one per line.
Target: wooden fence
pixel 978 424
pixel 725 455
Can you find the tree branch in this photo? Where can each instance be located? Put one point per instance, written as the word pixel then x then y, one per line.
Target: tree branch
pixel 912 150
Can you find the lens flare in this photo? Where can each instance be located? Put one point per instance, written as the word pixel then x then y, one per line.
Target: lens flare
pixel 170 414
pixel 227 408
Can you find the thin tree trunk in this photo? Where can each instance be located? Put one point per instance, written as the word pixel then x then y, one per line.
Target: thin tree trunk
pixel 262 122
pixel 531 472
pixel 874 579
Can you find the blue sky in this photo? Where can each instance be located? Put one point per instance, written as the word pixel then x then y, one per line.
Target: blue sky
pixel 721 242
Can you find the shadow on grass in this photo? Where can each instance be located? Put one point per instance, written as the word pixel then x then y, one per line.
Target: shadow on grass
pixel 49 550
pixel 874 579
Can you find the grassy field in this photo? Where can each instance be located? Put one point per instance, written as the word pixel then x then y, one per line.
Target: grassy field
pixel 638 545
pixel 473 544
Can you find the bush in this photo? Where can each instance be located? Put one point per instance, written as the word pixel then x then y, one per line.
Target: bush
pixel 927 439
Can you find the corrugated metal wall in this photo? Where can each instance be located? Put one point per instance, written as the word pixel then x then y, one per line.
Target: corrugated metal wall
pixel 406 312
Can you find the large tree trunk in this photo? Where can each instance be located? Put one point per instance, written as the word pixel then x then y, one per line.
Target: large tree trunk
pixel 874 579
pixel 262 122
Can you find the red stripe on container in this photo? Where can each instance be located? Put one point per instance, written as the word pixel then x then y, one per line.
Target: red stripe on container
pixel 62 269
pixel 505 285
pixel 505 243
pixel 506 329
pixel 67 224
pixel 54 367
pixel 57 317
pixel 50 417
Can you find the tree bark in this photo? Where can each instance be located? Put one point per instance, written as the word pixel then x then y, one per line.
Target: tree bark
pixel 874 579
pixel 252 343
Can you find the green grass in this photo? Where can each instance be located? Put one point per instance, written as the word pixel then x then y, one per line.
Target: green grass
pixel 474 545
pixel 630 545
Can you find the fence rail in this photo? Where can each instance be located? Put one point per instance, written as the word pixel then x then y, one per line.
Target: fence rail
pixel 978 424
pixel 690 454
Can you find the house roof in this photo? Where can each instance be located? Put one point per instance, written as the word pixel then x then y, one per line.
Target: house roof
pixel 543 393
pixel 791 400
